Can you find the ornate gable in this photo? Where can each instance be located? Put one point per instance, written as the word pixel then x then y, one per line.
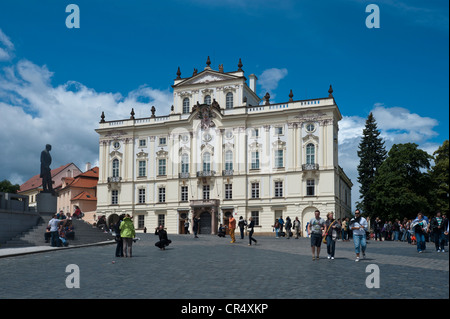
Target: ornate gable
pixel 206 77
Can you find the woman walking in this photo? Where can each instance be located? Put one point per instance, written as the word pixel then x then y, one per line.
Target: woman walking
pixel 127 232
pixel 332 227
pixel 250 231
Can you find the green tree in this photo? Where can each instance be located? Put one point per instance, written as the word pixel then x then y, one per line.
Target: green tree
pixel 372 153
pixel 402 185
pixel 7 187
pixel 440 178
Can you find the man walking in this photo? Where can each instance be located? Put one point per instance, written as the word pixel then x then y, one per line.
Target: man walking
pixel 316 229
pixel 419 227
pixel 54 228
pixel 358 225
pixel 437 230
pixel 296 227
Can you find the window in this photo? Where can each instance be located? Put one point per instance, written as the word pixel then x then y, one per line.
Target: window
pixel 161 219
pixel 255 190
pixel 162 141
pixel 162 195
pixel 142 169
pixel 185 163
pixel 228 160
pixel 114 197
pixel 207 100
pixel 229 100
pixel 255 132
pixel 141 221
pixel 278 189
pixel 206 162
pixel 255 217
pixel 142 143
pixel 141 199
pixel 115 168
pixel 279 158
pixel 206 190
pixel 184 193
pixel 310 187
pixel 228 191
pixel 162 166
pixel 310 154
pixel 279 130
pixel 310 127
pixel 186 108
pixel 255 160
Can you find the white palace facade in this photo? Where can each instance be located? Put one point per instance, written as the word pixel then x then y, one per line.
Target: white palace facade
pixel 223 150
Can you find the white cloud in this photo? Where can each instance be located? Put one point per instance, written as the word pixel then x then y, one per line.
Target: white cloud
pixel 269 80
pixel 35 113
pixel 6 47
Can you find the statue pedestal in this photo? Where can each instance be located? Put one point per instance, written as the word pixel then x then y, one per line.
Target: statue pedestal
pixel 46 203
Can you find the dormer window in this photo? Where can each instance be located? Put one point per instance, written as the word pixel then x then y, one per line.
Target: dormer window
pixel 229 100
pixel 186 106
pixel 207 100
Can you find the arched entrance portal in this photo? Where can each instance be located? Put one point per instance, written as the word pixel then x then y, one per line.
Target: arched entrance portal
pixel 205 223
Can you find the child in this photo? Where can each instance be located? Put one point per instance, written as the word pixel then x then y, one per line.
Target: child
pixel 413 240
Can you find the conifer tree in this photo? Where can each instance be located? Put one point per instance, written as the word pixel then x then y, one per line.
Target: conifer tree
pixel 372 153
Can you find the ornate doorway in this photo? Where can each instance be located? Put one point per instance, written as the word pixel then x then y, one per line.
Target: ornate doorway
pixel 205 223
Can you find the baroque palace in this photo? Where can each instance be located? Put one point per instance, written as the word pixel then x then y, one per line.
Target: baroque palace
pixel 223 150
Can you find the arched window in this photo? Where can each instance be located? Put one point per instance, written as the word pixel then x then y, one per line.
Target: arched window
pixel 206 162
pixel 228 160
pixel 208 99
pixel 310 154
pixel 185 163
pixel 115 168
pixel 186 108
pixel 229 100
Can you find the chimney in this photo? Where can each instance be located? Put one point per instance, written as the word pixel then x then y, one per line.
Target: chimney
pixel 88 166
pixel 252 82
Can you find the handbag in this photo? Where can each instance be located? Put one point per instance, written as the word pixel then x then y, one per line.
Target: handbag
pixel 324 240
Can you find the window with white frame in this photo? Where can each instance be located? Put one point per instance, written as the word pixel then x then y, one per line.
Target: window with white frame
pixel 141 198
pixel 229 100
pixel 228 191
pixel 185 163
pixel 207 99
pixel 162 166
pixel 255 160
pixel 142 143
pixel 279 130
pixel 255 132
pixel 161 219
pixel 310 189
pixel 206 190
pixel 255 217
pixel 142 171
pixel 114 197
pixel 206 162
pixel 115 168
pixel 162 194
pixel 162 141
pixel 184 193
pixel 310 154
pixel 228 160
pixel 255 190
pixel 279 158
pixel 141 221
pixel 278 189
pixel 186 107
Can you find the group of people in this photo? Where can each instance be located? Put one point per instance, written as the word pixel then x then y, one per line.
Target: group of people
pixel 59 230
pixel 290 227
pixel 243 226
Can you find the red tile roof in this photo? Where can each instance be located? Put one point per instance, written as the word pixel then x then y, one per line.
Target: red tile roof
pixel 84 196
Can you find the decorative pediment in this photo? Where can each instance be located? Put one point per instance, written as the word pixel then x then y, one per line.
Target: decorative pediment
pixel 207 147
pixel 115 153
pixel 162 153
pixel 254 146
pixel 183 150
pixel 205 77
pixel 309 137
pixel 310 116
pixel 141 154
pixel 279 144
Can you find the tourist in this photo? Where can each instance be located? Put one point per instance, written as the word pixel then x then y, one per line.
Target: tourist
pixel 288 227
pixel 358 225
pixel 232 227
pixel 186 226
pixel 54 228
pixel 296 227
pixel 377 228
pixel 316 231
pixel 195 222
pixel 221 232
pixel 276 227
pixel 117 238
pixel 419 227
pixel 437 230
pixel 163 240
pixel 242 223
pixel 331 234
pixel 344 228
pixel 281 224
pixel 127 232
pixel 250 229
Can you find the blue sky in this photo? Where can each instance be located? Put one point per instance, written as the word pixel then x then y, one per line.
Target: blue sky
pixel 55 81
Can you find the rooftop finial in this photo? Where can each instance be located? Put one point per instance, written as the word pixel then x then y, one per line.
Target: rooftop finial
pixel 178 73
pixel 102 117
pixel 330 91
pixel 153 111
pixel 240 65
pixel 195 72
pixel 208 61
pixel 291 95
pixel 267 98
pixel 132 114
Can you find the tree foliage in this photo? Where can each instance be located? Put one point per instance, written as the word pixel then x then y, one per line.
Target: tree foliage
pixel 7 187
pixel 440 177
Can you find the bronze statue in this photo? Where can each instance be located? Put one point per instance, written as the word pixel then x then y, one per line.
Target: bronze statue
pixel 46 174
